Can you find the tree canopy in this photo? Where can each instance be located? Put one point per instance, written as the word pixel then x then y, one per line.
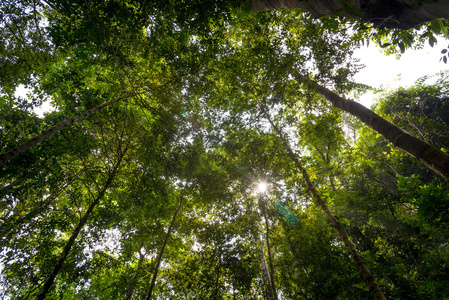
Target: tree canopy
pixel 141 182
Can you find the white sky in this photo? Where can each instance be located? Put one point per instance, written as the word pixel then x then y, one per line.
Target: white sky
pixel 387 72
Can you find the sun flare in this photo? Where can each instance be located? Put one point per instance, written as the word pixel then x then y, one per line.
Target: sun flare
pixel 262 187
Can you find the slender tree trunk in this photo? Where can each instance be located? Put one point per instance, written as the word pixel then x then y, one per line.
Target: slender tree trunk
pixel 425 153
pixel 159 259
pixel 217 278
pixel 7 229
pixel 265 272
pixel 270 259
pixel 7 156
pixel 51 277
pixel 262 262
pixel 132 284
pixel 367 277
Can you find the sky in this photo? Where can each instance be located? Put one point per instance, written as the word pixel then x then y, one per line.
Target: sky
pixel 388 72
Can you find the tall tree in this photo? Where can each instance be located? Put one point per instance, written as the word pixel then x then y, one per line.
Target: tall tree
pixel 11 154
pixel 430 156
pixel 161 252
pixel 262 207
pixel 65 252
pixel 367 277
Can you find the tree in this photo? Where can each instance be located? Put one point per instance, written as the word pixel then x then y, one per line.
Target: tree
pixel 394 14
pixel 383 186
pixel 271 281
pixel 198 71
pixel 425 153
pixel 5 157
pixel 65 252
pixel 159 257
pixel 367 277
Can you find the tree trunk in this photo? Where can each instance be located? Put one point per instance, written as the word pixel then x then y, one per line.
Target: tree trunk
pixel 401 14
pixel 217 278
pixel 7 156
pixel 425 153
pixel 265 272
pixel 159 259
pixel 51 277
pixel 367 277
pixel 7 228
pixel 270 259
pixel 133 281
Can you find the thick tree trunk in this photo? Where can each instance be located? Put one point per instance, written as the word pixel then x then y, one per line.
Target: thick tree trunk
pixel 402 14
pixel 357 258
pixel 159 259
pixel 51 277
pixel 425 153
pixel 7 156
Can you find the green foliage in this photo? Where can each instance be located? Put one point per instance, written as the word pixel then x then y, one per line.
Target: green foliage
pixel 204 75
pixel 421 110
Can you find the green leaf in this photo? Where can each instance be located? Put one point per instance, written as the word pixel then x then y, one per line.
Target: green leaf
pixel 432 40
pixel 435 26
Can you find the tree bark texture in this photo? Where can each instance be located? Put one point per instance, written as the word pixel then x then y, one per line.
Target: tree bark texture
pixel 16 151
pixel 51 277
pixel 425 153
pixel 401 14
pixel 356 257
pixel 159 259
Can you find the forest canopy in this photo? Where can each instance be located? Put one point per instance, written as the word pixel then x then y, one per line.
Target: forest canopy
pixel 142 181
